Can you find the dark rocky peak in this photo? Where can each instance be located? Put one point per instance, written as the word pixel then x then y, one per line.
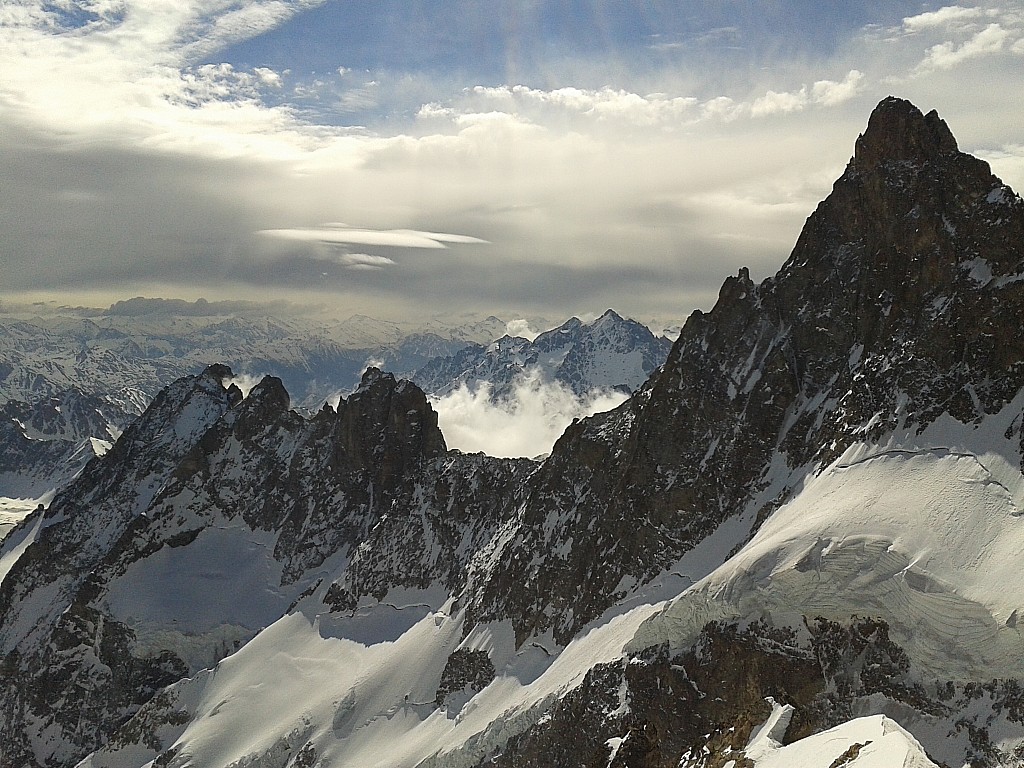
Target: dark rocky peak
pixel 898 132
pixel 178 416
pixel 269 394
pixel 911 206
pixel 68 415
pixel 386 424
pixel 900 302
pixel 265 408
pixel 504 345
pixel 372 375
pixel 569 327
pixel 737 289
pixel 910 235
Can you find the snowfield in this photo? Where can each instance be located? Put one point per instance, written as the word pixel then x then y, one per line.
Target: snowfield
pixel 924 532
pixel 372 702
pixel 867 742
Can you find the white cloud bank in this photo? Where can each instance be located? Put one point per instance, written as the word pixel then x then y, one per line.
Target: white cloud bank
pixel 526 424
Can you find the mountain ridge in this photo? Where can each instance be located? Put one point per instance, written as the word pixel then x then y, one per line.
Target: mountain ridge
pixel 609 352
pixel 732 532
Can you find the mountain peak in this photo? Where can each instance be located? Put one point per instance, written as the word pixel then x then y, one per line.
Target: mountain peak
pixel 610 315
pixel 897 131
pixel 372 375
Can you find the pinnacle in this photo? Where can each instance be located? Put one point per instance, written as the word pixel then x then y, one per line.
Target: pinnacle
pixel 898 132
pixel 270 390
pixel 372 375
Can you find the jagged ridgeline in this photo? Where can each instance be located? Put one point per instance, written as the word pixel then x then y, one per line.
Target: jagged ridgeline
pixel 795 545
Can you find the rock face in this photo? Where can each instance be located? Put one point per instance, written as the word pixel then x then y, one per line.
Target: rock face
pixel 901 301
pixel 459 610
pixel 608 353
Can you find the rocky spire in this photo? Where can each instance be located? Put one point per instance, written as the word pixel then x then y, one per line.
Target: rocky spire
pixel 898 132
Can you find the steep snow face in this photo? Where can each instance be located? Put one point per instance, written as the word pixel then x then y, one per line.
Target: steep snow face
pixel 112 493
pixel 923 531
pixel 352 692
pixel 867 742
pixel 202 600
pixel 15 542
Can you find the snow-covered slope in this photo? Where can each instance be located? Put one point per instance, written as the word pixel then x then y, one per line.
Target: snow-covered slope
pixel 45 444
pixel 867 742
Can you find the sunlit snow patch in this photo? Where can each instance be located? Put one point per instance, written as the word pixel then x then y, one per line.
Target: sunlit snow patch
pixel 867 742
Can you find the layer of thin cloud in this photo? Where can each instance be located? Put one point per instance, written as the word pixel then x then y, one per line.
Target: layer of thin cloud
pixel 526 424
pixel 134 158
pixel 394 238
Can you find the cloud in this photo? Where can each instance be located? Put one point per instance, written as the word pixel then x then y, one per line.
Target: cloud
pixel 948 16
pixel 610 107
pixel 329 243
pixel 140 157
pixel 364 261
pixel 526 424
pixel 773 103
pixel 830 93
pixel 139 306
pixel 394 238
pixel 268 77
pixel 606 104
pixel 947 55
pixel 827 93
pixel 244 381
pixel 521 328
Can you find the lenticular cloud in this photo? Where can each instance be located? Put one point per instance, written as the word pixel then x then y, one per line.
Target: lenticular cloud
pixel 526 423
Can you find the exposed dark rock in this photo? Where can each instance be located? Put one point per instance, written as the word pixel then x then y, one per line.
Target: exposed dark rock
pixel 466 670
pixel 698 708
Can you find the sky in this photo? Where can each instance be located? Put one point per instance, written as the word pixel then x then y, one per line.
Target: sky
pixel 524 159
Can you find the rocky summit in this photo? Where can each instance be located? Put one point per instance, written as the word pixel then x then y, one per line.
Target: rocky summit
pixel 796 544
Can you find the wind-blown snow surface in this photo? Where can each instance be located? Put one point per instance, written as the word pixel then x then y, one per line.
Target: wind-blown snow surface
pixel 867 742
pixel 923 531
pixel 371 701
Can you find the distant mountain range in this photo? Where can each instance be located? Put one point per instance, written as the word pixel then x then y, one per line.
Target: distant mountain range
pixel 608 353
pixel 69 384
